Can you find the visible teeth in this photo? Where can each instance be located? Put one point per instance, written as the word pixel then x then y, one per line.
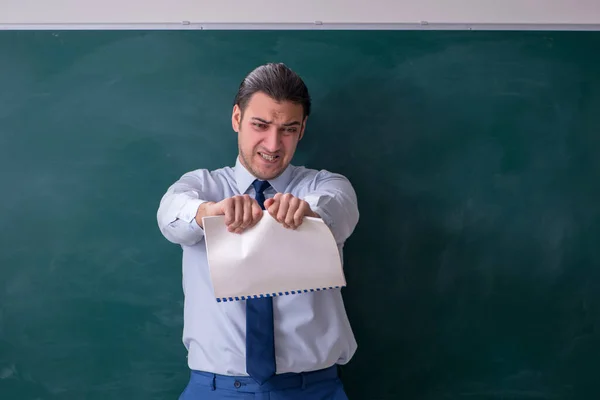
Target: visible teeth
pixel 267 157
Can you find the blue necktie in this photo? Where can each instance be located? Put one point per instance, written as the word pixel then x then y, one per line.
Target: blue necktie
pixel 260 342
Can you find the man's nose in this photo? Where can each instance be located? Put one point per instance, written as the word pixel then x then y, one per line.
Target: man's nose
pixel 271 140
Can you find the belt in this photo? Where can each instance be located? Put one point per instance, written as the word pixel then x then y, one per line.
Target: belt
pixel 277 382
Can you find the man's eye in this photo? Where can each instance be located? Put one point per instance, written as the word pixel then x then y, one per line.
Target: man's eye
pixel 259 125
pixel 291 130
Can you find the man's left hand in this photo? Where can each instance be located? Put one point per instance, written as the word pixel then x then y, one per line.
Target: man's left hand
pixel 289 210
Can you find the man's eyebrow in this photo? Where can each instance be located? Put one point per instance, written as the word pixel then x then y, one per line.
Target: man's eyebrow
pixel 269 122
pixel 261 120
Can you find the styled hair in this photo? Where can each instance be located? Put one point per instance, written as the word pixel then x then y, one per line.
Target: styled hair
pixel 277 81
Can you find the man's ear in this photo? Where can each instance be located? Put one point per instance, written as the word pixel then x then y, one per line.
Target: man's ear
pixel 236 118
pixel 302 129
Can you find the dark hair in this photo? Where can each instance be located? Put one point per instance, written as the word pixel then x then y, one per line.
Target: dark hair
pixel 277 81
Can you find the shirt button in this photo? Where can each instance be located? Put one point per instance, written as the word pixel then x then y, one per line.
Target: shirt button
pixel 237 384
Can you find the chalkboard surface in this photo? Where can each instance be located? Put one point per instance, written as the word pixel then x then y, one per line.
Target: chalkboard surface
pixel 474 272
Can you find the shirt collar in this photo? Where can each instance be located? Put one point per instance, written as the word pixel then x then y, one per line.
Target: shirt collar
pixel 244 178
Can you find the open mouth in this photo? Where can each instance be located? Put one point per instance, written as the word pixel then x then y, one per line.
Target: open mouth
pixel 268 157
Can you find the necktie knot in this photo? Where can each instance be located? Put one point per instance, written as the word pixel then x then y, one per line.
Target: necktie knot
pixel 260 186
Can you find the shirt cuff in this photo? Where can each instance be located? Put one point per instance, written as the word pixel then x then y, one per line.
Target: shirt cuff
pixel 189 210
pixel 317 204
pixel 194 227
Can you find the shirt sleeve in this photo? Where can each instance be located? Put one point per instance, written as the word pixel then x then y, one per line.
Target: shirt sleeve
pixel 334 199
pixel 176 214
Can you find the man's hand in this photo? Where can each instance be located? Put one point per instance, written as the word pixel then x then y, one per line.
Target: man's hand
pixel 241 212
pixel 289 210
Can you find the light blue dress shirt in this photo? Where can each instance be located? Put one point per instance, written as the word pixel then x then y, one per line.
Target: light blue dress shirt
pixel 312 330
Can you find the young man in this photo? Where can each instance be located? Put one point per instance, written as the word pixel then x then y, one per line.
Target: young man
pixel 281 348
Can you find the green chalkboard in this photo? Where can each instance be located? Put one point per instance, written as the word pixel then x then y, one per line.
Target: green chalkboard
pixel 474 272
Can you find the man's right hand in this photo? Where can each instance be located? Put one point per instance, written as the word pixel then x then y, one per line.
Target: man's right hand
pixel 241 212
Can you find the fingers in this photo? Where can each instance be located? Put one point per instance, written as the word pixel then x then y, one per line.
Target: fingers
pixel 272 205
pixel 298 216
pixel 246 214
pixel 228 210
pixel 294 207
pixel 257 213
pixel 230 206
pixel 288 210
pixel 239 213
pixel 243 212
pixel 269 202
pixel 284 205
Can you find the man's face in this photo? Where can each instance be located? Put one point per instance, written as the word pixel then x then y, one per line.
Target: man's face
pixel 268 134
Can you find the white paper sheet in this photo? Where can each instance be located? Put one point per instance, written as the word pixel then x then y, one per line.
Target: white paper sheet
pixel 269 259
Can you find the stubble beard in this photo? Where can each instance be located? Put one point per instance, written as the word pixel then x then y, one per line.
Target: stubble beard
pixel 254 172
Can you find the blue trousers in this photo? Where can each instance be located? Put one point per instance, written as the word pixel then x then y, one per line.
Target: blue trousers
pixel 318 385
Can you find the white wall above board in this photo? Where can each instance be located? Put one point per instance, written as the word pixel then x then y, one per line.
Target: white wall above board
pixel 301 14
